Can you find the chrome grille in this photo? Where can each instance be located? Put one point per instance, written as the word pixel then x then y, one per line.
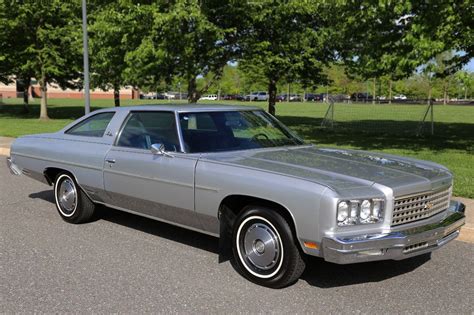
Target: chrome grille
pixel 412 208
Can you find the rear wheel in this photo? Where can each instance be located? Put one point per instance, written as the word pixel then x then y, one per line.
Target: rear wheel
pixel 71 202
pixel 264 248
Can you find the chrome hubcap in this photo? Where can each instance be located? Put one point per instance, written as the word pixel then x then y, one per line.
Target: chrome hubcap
pixel 261 246
pixel 67 196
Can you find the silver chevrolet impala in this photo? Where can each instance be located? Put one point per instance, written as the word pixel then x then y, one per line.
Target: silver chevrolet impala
pixel 237 173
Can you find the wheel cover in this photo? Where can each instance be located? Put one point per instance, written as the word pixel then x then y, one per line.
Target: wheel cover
pixel 261 246
pixel 67 196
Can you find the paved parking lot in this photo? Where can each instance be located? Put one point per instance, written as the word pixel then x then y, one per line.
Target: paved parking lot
pixel 124 263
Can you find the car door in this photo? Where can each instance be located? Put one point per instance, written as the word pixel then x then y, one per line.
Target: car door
pixel 158 186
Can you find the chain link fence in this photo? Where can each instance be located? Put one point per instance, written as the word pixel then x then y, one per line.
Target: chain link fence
pixel 398 119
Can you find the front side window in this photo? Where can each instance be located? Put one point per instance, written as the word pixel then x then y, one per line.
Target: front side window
pixel 93 126
pixel 142 129
pixel 233 130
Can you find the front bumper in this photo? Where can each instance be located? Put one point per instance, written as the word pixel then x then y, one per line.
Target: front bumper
pixel 395 245
pixel 14 169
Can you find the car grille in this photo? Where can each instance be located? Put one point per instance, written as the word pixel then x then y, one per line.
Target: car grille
pixel 417 207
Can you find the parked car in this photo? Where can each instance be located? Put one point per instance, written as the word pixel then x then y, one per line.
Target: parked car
pixel 209 97
pixel 257 96
pixel 339 97
pixel 315 97
pixel 292 98
pixel 361 97
pixel 400 97
pixel 230 97
pixel 237 173
pixel 148 96
pixel 295 98
pixel 281 98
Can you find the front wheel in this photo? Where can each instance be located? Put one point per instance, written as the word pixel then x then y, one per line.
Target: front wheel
pixel 264 248
pixel 71 202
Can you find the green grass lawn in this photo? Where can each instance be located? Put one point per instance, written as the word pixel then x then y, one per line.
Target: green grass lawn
pixel 383 128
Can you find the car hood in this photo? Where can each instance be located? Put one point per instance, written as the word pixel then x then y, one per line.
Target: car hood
pixel 341 169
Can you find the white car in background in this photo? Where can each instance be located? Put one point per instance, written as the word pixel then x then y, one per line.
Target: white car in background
pixel 209 97
pixel 400 97
pixel 257 96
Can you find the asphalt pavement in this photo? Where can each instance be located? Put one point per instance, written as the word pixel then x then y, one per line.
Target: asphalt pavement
pixel 124 263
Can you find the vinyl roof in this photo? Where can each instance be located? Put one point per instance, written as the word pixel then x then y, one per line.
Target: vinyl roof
pixel 184 107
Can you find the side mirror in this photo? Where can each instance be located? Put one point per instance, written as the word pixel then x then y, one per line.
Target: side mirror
pixel 159 149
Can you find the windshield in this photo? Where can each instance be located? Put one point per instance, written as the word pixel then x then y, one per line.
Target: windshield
pixel 233 130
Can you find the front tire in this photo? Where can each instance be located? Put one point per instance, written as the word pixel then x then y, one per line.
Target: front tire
pixel 265 251
pixel 71 202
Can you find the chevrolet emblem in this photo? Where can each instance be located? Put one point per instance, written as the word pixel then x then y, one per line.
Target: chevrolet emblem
pixel 428 206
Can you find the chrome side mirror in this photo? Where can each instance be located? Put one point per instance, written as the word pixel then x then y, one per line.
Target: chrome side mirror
pixel 159 149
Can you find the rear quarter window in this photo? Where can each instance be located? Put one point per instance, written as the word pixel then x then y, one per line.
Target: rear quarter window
pixel 93 126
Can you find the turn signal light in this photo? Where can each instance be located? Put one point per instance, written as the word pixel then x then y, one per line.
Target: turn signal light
pixel 311 245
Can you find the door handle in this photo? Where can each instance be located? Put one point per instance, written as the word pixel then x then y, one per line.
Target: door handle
pixel 111 161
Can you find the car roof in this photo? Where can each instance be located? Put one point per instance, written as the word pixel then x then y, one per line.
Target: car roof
pixel 181 108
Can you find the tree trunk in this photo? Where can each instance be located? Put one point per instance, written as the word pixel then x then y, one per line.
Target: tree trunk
pixel 26 88
pixel 373 90
pixel 390 91
pixel 193 95
pixel 117 95
pixel 429 95
pixel 445 93
pixel 288 94
pixel 272 90
pixel 44 99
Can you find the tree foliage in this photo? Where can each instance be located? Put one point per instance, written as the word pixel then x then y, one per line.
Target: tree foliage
pixel 112 32
pixel 43 41
pixel 181 42
pixel 287 41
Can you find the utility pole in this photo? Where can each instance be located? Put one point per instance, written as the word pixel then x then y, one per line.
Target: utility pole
pixel 85 48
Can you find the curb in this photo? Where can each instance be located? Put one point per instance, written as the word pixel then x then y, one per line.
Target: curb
pixel 5 151
pixel 467 234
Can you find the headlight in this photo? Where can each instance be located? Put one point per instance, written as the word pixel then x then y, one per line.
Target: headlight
pixel 342 211
pixel 364 211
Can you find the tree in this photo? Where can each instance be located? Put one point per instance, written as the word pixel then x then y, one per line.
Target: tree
pixel 287 41
pixel 441 26
pixel 181 42
pixel 45 44
pixel 436 71
pixel 466 81
pixel 112 35
pixel 394 38
pixel 13 54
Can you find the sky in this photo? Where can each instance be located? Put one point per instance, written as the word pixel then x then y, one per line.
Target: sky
pixel 470 66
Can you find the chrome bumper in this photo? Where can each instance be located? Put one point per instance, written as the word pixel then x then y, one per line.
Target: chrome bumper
pixel 13 168
pixel 395 245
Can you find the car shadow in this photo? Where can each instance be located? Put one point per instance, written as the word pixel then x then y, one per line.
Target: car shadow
pixel 318 273
pixel 160 229
pixel 322 274
pixel 146 225
pixel 46 195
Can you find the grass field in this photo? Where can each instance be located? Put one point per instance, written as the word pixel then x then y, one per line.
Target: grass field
pixel 383 128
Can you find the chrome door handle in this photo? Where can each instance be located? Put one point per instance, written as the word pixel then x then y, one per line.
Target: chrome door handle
pixel 111 161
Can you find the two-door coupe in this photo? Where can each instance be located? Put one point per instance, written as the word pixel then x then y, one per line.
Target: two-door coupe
pixel 237 173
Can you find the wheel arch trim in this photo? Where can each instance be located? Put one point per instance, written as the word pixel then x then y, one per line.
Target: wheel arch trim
pixel 263 202
pixel 59 170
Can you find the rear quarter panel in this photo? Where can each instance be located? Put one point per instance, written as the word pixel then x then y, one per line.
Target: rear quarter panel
pixel 82 156
pixel 84 159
